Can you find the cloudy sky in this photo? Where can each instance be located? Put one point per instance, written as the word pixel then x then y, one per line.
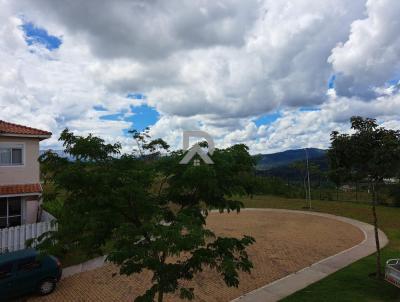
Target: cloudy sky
pixel 272 74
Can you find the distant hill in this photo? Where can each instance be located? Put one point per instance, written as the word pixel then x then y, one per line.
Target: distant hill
pixel 277 163
pixel 60 153
pixel 285 158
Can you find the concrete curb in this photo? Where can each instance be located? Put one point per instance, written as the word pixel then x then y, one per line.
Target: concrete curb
pixel 292 283
pixel 83 267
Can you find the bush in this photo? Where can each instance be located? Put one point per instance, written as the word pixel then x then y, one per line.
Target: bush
pixel 394 193
pixel 267 185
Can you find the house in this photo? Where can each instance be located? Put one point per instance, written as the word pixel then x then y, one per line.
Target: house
pixel 20 188
pixel 347 188
pixel 391 181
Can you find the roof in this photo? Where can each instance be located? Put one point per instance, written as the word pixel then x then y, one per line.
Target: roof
pixel 27 253
pixel 10 129
pixel 33 189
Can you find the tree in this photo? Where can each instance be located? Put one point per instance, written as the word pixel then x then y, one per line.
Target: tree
pixel 301 168
pixel 304 170
pixel 315 171
pixel 149 212
pixel 371 153
pixel 337 173
pixel 394 193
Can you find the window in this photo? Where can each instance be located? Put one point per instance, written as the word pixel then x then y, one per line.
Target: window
pixel 28 264
pixel 5 270
pixel 10 211
pixel 11 155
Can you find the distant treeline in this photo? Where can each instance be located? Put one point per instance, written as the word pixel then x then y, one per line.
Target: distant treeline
pixel 291 173
pixel 289 181
pixel 326 190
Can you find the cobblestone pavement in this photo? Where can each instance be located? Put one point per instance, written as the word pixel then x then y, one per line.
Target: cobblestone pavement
pixel 285 243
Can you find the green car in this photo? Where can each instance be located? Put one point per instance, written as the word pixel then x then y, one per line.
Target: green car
pixel 26 271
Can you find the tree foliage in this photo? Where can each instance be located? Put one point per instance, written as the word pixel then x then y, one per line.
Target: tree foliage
pixel 149 212
pixel 370 153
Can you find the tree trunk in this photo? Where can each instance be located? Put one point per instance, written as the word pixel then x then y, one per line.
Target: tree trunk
pixel 378 250
pixel 319 186
pixel 160 296
pixel 356 190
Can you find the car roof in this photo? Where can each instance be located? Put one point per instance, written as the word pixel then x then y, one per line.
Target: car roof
pixel 12 256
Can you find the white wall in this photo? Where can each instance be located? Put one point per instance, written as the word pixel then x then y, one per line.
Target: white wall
pixel 32 207
pixel 27 173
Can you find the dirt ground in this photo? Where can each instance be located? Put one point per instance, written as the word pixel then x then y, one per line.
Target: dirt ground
pixel 285 243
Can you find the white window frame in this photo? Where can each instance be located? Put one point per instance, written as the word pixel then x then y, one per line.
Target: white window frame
pixel 11 216
pixel 16 145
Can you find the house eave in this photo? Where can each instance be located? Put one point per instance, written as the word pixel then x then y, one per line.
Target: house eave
pixel 20 195
pixel 41 137
pixel 21 190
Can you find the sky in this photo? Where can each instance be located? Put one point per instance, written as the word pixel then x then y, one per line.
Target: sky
pixel 274 75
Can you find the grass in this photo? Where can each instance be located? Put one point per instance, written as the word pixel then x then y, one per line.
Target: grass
pixel 352 283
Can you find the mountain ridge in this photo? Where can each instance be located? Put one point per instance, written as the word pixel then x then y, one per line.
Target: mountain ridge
pixel 264 161
pixel 284 158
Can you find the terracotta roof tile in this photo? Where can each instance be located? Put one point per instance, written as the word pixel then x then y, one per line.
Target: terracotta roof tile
pixel 20 189
pixel 10 128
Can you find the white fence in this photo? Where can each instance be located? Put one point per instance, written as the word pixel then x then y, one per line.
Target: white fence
pixel 13 239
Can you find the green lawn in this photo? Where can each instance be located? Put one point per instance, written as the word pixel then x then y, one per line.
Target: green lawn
pixel 353 282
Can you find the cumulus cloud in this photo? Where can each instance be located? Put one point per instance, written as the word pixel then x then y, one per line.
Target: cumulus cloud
pixel 371 55
pixel 210 65
pixel 227 58
pixel 151 29
pixel 51 89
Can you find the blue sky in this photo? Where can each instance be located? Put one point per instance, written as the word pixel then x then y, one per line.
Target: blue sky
pixel 331 82
pixel 267 119
pixel 143 117
pixel 37 35
pixel 140 117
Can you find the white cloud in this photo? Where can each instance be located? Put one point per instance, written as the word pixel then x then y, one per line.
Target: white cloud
pixel 52 90
pixel 371 55
pixel 228 58
pixel 210 65
pixel 150 29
